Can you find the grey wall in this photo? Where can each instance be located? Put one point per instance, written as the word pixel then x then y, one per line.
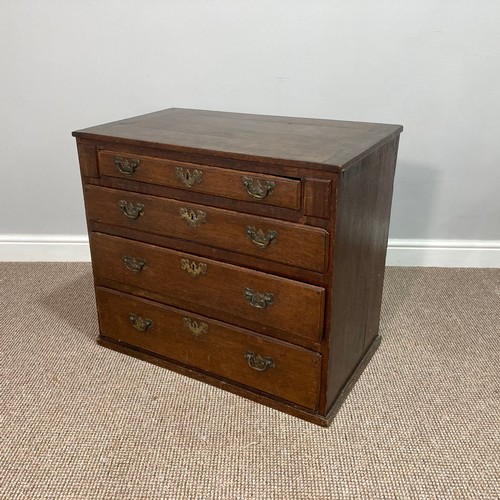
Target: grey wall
pixel 430 65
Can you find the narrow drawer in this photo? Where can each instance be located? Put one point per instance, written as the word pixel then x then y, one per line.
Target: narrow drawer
pixel 247 186
pixel 269 365
pixel 243 296
pixel 278 241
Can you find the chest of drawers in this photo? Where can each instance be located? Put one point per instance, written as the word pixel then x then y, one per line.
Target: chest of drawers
pixel 246 251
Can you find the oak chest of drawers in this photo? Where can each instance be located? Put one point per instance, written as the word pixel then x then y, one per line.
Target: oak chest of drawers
pixel 246 251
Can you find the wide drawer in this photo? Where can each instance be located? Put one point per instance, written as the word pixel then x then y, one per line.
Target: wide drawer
pixel 278 241
pixel 269 365
pixel 234 294
pixel 235 184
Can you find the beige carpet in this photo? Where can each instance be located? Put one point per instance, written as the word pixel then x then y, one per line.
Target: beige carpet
pixel 79 421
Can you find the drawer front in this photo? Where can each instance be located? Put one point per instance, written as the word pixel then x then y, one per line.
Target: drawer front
pixel 247 186
pixel 249 298
pixel 272 366
pixel 278 241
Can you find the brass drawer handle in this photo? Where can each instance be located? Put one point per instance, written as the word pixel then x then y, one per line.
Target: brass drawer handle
pixel 258 189
pixel 257 299
pixel 125 166
pixel 259 238
pixel 258 362
pixel 141 324
pixel 194 327
pixel 131 210
pixel 188 178
pixel 194 219
pixel 192 268
pixel 133 264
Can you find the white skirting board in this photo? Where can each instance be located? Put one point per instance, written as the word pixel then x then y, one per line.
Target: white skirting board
pixel 44 248
pixel 401 252
pixel 443 253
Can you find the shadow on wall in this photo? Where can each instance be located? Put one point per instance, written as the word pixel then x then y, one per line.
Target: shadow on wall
pixel 415 201
pixel 74 302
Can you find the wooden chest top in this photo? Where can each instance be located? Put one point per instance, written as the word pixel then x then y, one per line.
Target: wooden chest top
pixel 330 145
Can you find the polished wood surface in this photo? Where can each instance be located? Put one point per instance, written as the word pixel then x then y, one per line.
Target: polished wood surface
pixel 291 277
pixel 216 181
pixel 296 308
pixel 362 228
pixel 214 346
pixel 326 144
pixel 297 245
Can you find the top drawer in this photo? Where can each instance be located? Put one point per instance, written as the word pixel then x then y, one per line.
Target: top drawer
pixel 235 184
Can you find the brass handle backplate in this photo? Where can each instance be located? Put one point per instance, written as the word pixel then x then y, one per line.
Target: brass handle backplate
pixel 125 166
pixel 141 324
pixel 194 327
pixel 258 362
pixel 133 264
pixel 194 219
pixel 131 210
pixel 188 178
pixel 258 189
pixel 192 268
pixel 259 238
pixel 257 299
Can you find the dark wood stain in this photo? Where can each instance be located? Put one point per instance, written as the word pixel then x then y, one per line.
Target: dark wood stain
pixel 311 336
pixel 325 144
pixel 218 349
pixel 297 245
pixel 297 307
pixel 215 181
pixel 363 208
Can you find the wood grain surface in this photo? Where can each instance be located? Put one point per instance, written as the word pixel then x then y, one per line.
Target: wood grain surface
pixel 325 144
pixel 220 348
pixel 297 307
pixel 193 273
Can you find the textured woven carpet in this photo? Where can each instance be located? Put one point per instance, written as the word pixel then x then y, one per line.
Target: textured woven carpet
pixel 80 421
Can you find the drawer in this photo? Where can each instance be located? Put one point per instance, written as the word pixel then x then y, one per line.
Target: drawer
pixel 235 184
pixel 234 294
pixel 278 368
pixel 274 240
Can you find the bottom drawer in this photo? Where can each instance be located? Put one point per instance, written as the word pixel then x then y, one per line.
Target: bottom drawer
pixel 273 366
